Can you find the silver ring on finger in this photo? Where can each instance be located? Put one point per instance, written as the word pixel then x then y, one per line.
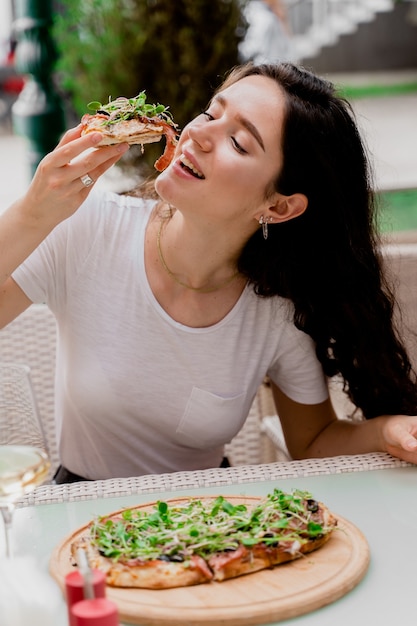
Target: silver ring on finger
pixel 86 180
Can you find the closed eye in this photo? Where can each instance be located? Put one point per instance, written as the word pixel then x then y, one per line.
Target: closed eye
pixel 238 146
pixel 208 115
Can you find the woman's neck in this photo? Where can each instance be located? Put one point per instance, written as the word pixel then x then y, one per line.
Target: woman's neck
pixel 196 282
pixel 202 264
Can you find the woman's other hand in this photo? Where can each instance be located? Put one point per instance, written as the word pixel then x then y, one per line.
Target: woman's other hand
pixel 314 431
pixel 399 433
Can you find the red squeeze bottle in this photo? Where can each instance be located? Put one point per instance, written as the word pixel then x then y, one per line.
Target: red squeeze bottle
pixel 95 612
pixel 74 588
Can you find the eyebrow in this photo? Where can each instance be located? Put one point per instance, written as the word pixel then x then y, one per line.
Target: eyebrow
pixel 245 122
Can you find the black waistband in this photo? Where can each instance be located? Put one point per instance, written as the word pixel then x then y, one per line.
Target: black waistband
pixel 62 475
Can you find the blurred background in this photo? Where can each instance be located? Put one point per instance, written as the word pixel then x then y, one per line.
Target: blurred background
pixel 56 56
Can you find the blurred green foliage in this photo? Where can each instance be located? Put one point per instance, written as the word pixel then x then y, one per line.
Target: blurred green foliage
pixel 177 50
pixel 398 210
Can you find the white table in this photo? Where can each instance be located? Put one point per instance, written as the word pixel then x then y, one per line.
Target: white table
pixel 374 492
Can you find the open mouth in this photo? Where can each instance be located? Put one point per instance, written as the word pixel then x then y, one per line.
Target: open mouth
pixel 187 165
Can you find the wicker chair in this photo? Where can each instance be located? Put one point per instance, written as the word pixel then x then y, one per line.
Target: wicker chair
pixel 31 339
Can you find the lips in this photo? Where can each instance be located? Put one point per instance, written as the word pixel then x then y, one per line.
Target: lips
pixel 187 165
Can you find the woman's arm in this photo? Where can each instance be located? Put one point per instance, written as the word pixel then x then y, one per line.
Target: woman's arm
pixel 54 194
pixel 314 431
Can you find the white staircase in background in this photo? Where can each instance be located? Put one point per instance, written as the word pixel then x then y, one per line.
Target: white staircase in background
pixel 318 23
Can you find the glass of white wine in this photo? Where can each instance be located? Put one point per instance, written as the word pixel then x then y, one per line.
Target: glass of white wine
pixel 24 461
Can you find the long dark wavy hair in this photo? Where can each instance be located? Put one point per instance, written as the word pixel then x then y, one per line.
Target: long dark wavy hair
pixel 327 260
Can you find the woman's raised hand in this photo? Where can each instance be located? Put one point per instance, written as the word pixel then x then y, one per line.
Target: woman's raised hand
pixel 57 190
pixel 54 194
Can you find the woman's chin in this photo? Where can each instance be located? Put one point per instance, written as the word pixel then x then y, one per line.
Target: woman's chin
pixel 165 188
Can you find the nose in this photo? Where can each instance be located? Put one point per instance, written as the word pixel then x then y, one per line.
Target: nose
pixel 200 134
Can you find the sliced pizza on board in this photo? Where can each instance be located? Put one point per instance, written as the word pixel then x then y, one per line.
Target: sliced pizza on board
pixel 203 540
pixel 266 596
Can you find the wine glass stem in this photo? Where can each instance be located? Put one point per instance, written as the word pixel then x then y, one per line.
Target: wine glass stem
pixel 7 513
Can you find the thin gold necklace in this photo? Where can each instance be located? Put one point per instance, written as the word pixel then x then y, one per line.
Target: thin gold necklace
pixel 172 275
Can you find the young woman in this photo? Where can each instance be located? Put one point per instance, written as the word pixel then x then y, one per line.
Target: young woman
pixel 258 257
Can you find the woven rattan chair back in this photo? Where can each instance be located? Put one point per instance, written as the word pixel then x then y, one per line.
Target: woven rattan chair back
pixel 31 339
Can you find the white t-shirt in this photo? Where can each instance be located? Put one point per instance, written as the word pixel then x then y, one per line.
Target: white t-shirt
pixel 137 392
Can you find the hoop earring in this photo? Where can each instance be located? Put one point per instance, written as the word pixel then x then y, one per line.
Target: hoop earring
pixel 264 223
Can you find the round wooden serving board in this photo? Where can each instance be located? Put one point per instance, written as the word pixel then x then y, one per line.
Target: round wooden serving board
pixel 271 595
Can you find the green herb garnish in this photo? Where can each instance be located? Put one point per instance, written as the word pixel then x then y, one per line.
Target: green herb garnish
pixel 176 532
pixel 123 109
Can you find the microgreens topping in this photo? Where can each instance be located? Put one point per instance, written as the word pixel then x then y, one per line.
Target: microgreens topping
pixel 123 109
pixel 176 532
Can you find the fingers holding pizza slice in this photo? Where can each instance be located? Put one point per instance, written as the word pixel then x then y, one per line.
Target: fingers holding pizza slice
pixel 199 541
pixel 133 121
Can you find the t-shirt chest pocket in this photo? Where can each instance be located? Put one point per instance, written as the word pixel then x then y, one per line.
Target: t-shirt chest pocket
pixel 210 420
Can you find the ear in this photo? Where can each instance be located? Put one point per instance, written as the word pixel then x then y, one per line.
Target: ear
pixel 287 207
